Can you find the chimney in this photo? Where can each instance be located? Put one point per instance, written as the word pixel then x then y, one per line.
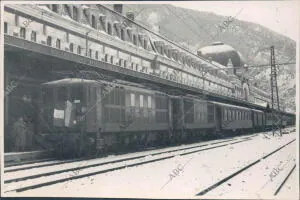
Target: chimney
pixel 130 15
pixel 118 8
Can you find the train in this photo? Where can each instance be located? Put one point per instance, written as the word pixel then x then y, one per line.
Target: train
pixel 83 117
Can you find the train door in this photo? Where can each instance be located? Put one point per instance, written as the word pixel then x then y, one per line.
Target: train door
pixel 218 118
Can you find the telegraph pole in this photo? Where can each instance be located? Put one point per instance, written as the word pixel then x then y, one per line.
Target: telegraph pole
pixel 276 115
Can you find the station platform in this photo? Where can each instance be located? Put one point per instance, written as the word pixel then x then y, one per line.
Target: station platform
pixel 15 157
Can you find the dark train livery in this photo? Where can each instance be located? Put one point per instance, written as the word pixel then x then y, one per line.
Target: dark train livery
pixel 85 116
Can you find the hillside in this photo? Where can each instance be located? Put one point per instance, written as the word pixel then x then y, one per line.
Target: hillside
pixel 194 29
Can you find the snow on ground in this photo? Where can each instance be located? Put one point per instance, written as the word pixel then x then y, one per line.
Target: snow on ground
pixel 195 172
pixel 261 180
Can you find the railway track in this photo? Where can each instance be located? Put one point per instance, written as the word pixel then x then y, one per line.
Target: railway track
pixel 235 174
pixel 285 179
pixel 133 161
pixel 49 162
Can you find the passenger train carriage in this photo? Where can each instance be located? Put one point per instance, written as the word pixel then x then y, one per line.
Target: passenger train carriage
pixel 80 116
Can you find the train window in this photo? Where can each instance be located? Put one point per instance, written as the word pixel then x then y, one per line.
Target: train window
pixel 76 93
pixel 210 111
pixel 132 99
pixel 149 102
pixel 141 100
pixel 62 94
pixel 225 114
pixel 47 95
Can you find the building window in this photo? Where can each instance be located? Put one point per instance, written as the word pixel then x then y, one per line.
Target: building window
pixel 132 66
pixel 17 20
pixel 112 60
pixel 106 58
pixel 116 30
pixel 134 40
pixel 49 41
pixel 145 44
pixel 102 22
pixel 79 50
pixel 90 53
pixel 136 67
pixel 75 13
pixel 44 29
pixel 125 63
pixel 33 36
pixel 67 37
pixel 96 55
pixel 93 21
pixel 109 29
pixel 129 34
pixel 58 43
pixel 55 8
pixel 23 33
pixel 122 34
pixel 5 27
pixel 71 47
pixel 120 62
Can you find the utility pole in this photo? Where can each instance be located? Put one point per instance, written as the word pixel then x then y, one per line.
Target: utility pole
pixel 276 115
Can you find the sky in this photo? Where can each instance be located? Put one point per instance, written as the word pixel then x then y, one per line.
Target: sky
pixel 279 16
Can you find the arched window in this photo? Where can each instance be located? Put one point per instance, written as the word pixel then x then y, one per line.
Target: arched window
pixel 96 55
pixel 122 34
pixel 90 53
pixel 58 43
pixel 71 47
pixel 102 22
pixel 5 27
pixel 23 33
pixel 79 50
pixel 75 13
pixel 33 36
pixel 93 21
pixel 49 41
pixel 129 34
pixel 116 30
pixel 109 29
pixel 134 40
pixel 145 44
pixel 55 8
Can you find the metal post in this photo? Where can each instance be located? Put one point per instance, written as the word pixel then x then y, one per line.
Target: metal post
pixel 276 125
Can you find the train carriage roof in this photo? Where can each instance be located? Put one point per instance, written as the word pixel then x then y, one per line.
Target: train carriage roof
pixel 117 82
pixel 69 81
pixel 230 106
